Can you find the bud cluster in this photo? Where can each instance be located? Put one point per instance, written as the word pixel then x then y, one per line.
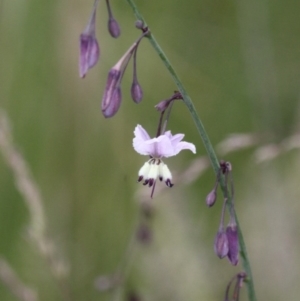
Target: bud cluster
pixel 226 240
pixel 88 43
pixel 110 103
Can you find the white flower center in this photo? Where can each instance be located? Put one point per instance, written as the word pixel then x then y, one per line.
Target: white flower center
pixel 153 169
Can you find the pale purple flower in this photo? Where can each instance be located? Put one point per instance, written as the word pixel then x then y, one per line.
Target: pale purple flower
pixel 89 53
pixel 165 145
pixel 221 247
pixel 113 25
pixel 112 96
pixel 233 243
pixel 88 45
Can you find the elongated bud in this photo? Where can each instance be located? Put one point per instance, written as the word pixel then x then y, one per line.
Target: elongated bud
pixel 88 46
pixel 114 103
pixel 233 243
pixel 162 105
pixel 111 99
pixel 211 198
pixel 136 89
pixel 89 54
pixel 114 28
pixel 221 244
pixel 109 96
pixel 136 92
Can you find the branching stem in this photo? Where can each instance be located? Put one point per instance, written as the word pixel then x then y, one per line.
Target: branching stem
pixel 205 139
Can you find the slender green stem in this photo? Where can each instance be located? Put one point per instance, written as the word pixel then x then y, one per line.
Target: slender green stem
pixel 210 151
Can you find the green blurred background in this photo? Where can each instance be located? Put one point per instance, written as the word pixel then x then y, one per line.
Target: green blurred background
pixel 239 61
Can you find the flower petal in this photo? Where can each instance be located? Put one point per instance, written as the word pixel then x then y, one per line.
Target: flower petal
pixel 162 147
pixel 141 147
pixel 141 141
pixel 184 145
pixel 176 139
pixel 141 133
pixel 165 145
pixel 168 134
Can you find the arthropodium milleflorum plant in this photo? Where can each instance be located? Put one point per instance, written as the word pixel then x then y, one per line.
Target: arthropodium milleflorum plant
pixel 228 242
pixel 210 151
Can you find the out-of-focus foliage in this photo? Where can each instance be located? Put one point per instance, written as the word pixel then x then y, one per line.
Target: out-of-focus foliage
pixel 239 61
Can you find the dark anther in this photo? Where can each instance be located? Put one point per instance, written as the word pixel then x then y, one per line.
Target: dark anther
pixel 168 183
pixel 152 161
pixel 224 167
pixel 151 182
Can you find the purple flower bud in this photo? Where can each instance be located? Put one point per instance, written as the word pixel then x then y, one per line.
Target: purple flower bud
pixel 88 45
pixel 136 92
pixel 89 53
pixel 211 198
pixel 113 28
pixel 221 247
pixel 139 24
pixel 112 98
pixel 233 243
pixel 114 103
pixel 163 105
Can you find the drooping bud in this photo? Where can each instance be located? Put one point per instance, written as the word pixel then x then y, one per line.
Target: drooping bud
pixel 112 95
pixel 221 244
pixel 88 45
pixel 162 105
pixel 233 243
pixel 136 92
pixel 211 198
pixel 113 26
pixel 136 89
pixel 114 104
pixel 111 99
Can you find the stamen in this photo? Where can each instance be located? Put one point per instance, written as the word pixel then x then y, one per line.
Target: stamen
pixel 140 178
pixel 152 192
pixel 151 182
pixel 152 161
pixel 146 182
pixel 168 183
